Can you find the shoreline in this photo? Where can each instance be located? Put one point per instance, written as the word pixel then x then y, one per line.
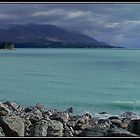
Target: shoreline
pixel 38 121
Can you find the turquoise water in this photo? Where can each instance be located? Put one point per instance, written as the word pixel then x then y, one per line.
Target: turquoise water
pixel 87 79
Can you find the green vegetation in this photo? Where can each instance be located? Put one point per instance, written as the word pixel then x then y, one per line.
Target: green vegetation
pixel 6 45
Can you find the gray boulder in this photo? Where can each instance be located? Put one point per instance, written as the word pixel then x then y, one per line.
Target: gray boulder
pixel 12 125
pixel 134 126
pixel 119 132
pixel 40 107
pixel 68 131
pixel 63 117
pixel 94 132
pixel 1 133
pixel 69 110
pixel 4 110
pixel 11 105
pixel 29 109
pixel 129 115
pixel 41 128
pixel 55 129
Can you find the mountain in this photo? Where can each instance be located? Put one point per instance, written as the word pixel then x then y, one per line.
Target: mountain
pixel 30 35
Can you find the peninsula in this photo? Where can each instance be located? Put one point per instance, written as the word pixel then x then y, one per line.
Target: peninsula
pixel 7 45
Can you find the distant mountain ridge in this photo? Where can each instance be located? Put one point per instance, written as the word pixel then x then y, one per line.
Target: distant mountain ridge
pixel 46 35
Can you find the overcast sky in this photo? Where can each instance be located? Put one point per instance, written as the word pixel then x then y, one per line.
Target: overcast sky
pixel 116 24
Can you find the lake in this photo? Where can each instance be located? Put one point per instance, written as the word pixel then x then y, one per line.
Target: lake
pixel 93 80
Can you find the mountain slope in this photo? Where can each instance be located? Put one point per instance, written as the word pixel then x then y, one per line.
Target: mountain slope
pixel 46 34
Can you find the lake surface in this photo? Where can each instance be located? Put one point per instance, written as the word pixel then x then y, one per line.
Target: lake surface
pixel 93 80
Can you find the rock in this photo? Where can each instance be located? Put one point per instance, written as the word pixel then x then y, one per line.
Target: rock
pixel 103 123
pixel 38 113
pixel 119 132
pixel 1 133
pixel 73 120
pixel 85 126
pixel 41 128
pixel 88 115
pixel 68 131
pixel 11 105
pixel 94 132
pixel 98 116
pixel 12 125
pixel 82 124
pixel 40 107
pixel 83 120
pixel 118 123
pixel 63 117
pixel 27 126
pixel 129 115
pixel 4 110
pixel 49 112
pixel 55 129
pixel 102 112
pixel 34 118
pixel 77 133
pixel 69 110
pixel 93 123
pixel 71 123
pixel 134 126
pixel 113 117
pixel 29 109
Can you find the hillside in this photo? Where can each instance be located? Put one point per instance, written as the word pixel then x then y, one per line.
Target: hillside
pixel 33 35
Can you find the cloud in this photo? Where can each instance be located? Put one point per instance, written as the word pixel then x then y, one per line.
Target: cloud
pixel 112 23
pixel 76 14
pixel 49 12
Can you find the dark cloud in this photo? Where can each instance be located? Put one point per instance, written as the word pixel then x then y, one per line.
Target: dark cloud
pixel 118 24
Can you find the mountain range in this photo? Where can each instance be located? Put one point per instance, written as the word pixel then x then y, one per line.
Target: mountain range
pixel 36 35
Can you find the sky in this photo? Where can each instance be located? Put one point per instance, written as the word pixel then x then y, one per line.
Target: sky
pixel 116 24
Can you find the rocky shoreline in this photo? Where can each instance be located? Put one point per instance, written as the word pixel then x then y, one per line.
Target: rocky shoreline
pixel 37 121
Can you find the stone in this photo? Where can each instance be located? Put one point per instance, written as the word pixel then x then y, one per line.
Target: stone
pixel 82 127
pixel 11 105
pixel 134 126
pixel 102 112
pixel 27 125
pixel 29 109
pixel 118 123
pixel 68 131
pixel 4 110
pixel 119 132
pixel 40 107
pixel 69 110
pixel 77 133
pixel 82 120
pixel 103 123
pixel 34 118
pixel 38 113
pixel 1 133
pixel 55 129
pixel 94 132
pixel 113 117
pixel 71 123
pixel 63 117
pixel 129 115
pixel 93 123
pixel 12 125
pixel 41 128
pixel 87 115
pixel 49 112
